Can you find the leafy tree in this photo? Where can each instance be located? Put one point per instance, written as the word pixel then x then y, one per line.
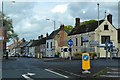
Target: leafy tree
pixel 69 28
pixel 7 24
pixel 88 22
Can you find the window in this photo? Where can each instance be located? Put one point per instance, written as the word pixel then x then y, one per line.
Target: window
pixel 76 42
pixel 105 39
pixel 105 27
pixel 51 45
pixel 47 44
pixel 81 41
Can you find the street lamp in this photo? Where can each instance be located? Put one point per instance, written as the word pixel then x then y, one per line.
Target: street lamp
pixel 98 49
pixel 53 32
pixel 53 22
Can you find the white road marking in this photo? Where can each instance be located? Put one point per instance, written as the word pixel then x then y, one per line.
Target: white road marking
pixel 114 69
pixel 114 72
pixel 56 73
pixel 70 73
pixel 109 76
pixel 26 76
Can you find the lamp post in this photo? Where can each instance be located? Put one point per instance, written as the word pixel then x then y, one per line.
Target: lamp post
pixel 98 50
pixel 53 32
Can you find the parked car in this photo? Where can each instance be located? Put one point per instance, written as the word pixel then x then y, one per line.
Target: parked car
pixel 25 55
pixel 30 55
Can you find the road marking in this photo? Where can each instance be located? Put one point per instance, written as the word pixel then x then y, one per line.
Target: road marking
pixel 56 73
pixel 26 76
pixel 114 72
pixel 114 69
pixel 70 73
pixel 109 76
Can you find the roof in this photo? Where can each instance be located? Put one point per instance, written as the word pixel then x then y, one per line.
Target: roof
pixel 53 34
pixel 37 42
pixel 118 35
pixel 85 28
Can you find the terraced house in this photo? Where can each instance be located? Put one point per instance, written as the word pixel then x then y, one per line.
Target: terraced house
pixel 55 41
pixel 92 37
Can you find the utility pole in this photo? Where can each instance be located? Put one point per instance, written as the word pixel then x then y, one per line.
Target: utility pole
pixel 98 50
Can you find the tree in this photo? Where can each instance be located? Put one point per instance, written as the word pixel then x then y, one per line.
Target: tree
pixel 68 28
pixel 88 22
pixel 7 24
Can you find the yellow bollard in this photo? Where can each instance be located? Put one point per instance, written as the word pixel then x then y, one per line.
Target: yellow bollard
pixel 85 62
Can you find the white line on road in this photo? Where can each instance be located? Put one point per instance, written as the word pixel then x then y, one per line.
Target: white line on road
pixel 69 72
pixel 114 69
pixel 114 72
pixel 109 76
pixel 26 76
pixel 56 73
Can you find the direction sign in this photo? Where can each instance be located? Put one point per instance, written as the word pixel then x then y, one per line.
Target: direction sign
pixel 70 42
pixel 94 43
pixel 114 50
pixel 85 57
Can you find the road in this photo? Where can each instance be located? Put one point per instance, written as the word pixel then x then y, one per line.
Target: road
pixel 25 68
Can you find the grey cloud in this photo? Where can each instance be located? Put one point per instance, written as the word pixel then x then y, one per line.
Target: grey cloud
pixel 75 9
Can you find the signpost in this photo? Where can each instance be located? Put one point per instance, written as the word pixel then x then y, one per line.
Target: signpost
pixel 85 62
pixel 70 43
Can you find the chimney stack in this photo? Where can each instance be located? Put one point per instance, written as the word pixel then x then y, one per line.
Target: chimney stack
pixel 46 34
pixel 77 21
pixel 23 40
pixel 109 18
pixel 62 27
pixel 40 37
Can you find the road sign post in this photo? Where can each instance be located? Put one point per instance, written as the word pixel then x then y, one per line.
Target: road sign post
pixel 85 62
pixel 70 43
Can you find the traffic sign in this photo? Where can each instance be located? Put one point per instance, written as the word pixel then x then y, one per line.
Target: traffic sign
pixel 70 42
pixel 94 43
pixel 111 44
pixel 114 50
pixel 85 61
pixel 66 50
pixel 86 57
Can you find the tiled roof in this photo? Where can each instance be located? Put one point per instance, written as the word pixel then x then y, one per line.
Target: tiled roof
pixel 85 28
pixel 53 34
pixel 37 42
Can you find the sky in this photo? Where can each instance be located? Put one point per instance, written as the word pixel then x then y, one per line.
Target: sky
pixel 29 18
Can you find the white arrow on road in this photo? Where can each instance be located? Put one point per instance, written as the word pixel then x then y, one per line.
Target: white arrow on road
pixel 26 76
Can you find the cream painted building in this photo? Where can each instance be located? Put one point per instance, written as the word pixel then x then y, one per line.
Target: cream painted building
pixel 92 33
pixel 55 41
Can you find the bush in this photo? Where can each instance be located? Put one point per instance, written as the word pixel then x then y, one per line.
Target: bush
pixel 93 54
pixel 77 54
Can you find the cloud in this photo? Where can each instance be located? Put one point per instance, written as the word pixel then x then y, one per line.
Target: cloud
pixel 91 10
pixel 59 8
pixel 29 18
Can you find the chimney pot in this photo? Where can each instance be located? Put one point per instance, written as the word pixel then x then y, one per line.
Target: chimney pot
pixel 109 18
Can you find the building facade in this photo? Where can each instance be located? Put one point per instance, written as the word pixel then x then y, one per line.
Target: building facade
pixel 85 34
pixel 55 41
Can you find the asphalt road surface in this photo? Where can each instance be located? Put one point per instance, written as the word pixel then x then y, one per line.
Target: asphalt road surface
pixel 32 69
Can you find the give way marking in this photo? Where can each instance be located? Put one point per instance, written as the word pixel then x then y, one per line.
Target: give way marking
pixel 28 74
